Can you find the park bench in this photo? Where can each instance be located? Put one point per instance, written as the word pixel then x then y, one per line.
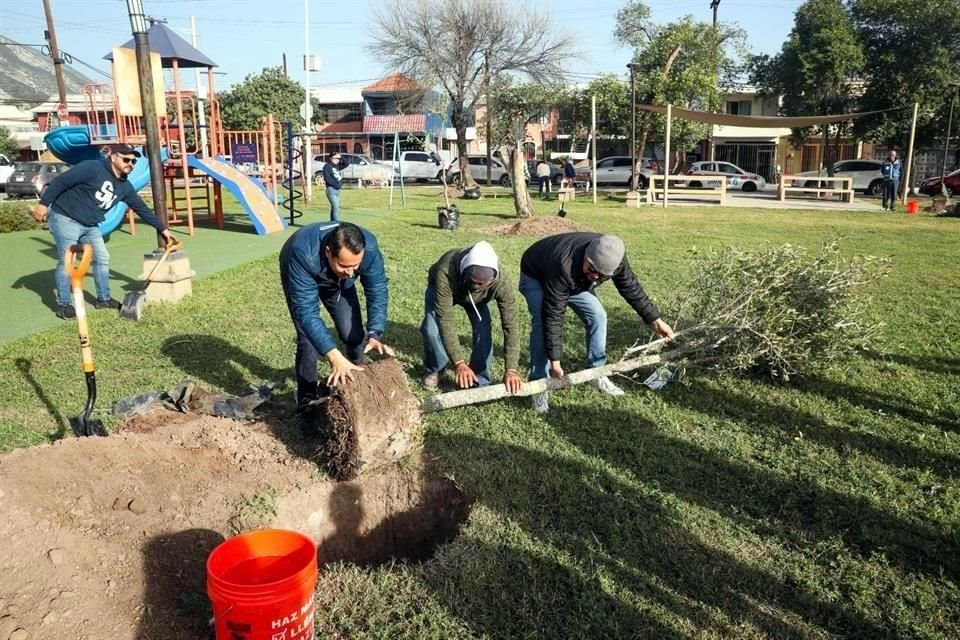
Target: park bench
pixel 826 187
pixel 713 190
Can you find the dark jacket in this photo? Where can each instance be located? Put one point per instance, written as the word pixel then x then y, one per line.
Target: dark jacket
pixel 304 272
pixel 556 262
pixel 331 174
pixel 446 279
pixel 89 190
pixel 569 171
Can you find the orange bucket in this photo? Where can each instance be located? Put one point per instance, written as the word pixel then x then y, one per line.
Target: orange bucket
pixel 913 207
pixel 261 585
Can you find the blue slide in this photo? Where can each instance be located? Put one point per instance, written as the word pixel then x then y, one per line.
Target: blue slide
pixel 72 145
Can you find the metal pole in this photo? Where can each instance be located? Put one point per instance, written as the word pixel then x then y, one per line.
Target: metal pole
pixel 913 132
pixel 946 144
pixel 138 24
pixel 633 129
pixel 666 163
pixel 55 53
pixel 201 116
pixel 593 138
pixel 308 105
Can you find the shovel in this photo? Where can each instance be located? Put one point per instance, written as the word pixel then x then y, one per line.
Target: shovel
pixel 83 425
pixel 133 302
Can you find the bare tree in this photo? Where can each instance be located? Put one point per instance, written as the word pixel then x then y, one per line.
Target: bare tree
pixel 450 43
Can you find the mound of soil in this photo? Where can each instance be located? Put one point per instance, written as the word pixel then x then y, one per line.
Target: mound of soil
pixel 542 226
pixel 107 537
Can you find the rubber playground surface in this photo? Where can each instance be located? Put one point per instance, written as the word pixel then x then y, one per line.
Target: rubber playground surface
pixel 29 302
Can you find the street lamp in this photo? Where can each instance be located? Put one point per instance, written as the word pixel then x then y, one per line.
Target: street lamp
pixel 633 66
pixel 946 144
pixel 151 128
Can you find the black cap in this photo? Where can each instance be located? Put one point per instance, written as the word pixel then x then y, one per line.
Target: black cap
pixel 125 149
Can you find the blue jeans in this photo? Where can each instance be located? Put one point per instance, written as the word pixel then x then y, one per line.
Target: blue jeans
pixel 586 305
pixel 68 232
pixel 890 192
pixel 333 195
pixel 435 357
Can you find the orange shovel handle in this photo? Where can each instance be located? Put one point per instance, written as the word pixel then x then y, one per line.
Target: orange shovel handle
pixel 76 271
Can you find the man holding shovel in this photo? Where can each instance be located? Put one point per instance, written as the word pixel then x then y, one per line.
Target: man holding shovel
pixel 76 202
pixel 318 266
pixel 565 270
pixel 469 278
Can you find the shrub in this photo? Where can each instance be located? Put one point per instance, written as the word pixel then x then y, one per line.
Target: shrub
pixel 17 216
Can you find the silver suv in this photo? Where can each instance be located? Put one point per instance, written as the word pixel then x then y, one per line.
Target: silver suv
pixel 865 173
pixel 616 170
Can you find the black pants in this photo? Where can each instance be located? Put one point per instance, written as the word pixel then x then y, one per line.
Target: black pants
pixel 544 185
pixel 344 307
pixel 890 188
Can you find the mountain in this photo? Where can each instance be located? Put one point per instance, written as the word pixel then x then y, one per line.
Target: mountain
pixel 28 76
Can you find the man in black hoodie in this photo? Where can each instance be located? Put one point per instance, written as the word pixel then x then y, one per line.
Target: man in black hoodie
pixel 333 180
pixel 564 270
pixel 76 202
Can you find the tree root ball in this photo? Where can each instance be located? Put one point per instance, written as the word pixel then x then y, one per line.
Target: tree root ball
pixel 366 423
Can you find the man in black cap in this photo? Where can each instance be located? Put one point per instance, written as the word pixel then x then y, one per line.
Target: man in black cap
pixel 564 270
pixel 76 202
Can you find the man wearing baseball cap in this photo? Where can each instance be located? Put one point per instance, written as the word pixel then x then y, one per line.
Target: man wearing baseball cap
pixel 565 270
pixel 75 203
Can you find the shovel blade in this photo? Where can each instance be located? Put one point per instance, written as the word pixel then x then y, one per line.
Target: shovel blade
pixel 83 427
pixel 132 307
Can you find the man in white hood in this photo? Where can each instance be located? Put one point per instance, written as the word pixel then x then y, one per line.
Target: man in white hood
pixel 469 277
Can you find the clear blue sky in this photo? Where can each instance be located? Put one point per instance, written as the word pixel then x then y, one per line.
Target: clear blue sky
pixel 243 36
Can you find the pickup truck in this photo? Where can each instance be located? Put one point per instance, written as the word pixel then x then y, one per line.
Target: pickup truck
pixel 6 169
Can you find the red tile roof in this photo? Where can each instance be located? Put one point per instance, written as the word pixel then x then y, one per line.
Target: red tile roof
pixel 394 83
pixel 394 124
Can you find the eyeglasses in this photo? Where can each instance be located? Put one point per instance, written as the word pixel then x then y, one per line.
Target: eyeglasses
pixel 127 160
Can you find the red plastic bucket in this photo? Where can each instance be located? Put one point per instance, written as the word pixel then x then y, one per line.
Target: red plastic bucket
pixel 913 207
pixel 261 585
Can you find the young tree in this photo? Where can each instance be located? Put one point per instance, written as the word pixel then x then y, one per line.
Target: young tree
pixel 244 104
pixel 912 55
pixel 456 44
pixel 513 107
pixel 816 70
pixel 8 146
pixel 684 63
pixel 613 105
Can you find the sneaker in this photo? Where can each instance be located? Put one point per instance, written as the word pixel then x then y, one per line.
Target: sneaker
pixel 106 304
pixel 66 312
pixel 607 387
pixel 540 401
pixel 431 381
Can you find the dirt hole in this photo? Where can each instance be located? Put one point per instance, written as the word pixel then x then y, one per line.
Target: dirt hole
pixel 107 537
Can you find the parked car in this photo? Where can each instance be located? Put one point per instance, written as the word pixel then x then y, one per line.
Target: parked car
pixel 556 173
pixel 931 186
pixel 478 169
pixel 6 168
pixel 736 177
pixel 358 166
pixel 418 165
pixel 29 179
pixel 616 170
pixel 865 173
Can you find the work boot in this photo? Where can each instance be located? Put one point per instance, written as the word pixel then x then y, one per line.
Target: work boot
pixel 431 381
pixel 110 303
pixel 66 312
pixel 540 402
pixel 606 386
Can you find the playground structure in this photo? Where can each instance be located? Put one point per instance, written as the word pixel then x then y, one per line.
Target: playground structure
pixel 199 156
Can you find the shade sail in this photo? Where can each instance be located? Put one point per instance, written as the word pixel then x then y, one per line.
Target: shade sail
pixel 770 122
pixel 171 47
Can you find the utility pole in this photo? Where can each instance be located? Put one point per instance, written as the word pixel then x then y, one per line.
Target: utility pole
pixel 201 116
pixel 308 105
pixel 946 144
pixel 714 4
pixel 486 88
pixel 138 24
pixel 633 128
pixel 55 53
pixel 285 74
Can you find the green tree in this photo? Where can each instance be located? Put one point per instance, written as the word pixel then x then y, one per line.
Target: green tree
pixel 817 70
pixel 244 104
pixel 685 63
pixel 8 146
pixel 912 55
pixel 613 105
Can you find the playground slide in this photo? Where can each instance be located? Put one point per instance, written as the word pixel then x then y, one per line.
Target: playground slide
pixel 72 145
pixel 264 215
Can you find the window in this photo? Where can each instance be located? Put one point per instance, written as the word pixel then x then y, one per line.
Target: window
pixel 621 162
pixel 357 147
pixel 346 112
pixel 417 157
pixel 478 161
pixel 725 167
pixel 740 107
pixel 604 164
pixel 382 106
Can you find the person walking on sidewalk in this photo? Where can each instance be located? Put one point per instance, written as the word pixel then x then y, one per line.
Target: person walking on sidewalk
pixel 565 270
pixel 318 266
pixel 470 278
pixel 333 180
pixel 890 170
pixel 75 203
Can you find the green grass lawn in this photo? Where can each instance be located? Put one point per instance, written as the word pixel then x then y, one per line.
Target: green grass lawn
pixel 721 508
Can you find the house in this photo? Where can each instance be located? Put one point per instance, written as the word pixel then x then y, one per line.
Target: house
pixel 19 122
